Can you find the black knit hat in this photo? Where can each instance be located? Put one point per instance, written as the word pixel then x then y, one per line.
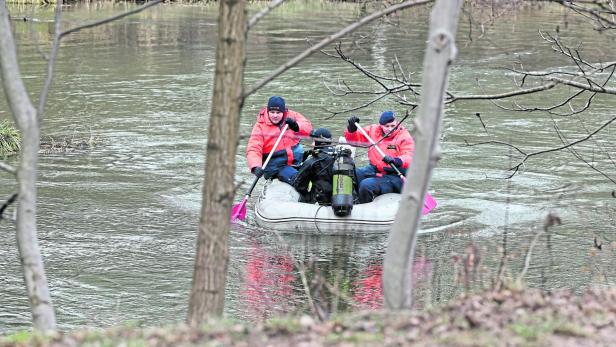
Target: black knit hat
pixel 387 117
pixel 321 133
pixel 276 103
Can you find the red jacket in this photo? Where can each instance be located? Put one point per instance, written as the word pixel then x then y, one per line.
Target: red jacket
pixel 265 133
pixel 398 144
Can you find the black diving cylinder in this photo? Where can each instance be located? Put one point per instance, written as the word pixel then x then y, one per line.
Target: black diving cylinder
pixel 342 184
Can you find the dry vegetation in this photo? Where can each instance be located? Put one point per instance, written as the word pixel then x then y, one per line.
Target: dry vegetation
pixel 505 318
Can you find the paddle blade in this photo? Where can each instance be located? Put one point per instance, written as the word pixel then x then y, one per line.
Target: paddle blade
pixel 238 212
pixel 429 204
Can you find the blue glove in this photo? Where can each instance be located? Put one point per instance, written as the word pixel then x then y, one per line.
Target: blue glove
pixel 396 161
pixel 292 124
pixel 352 127
pixel 257 171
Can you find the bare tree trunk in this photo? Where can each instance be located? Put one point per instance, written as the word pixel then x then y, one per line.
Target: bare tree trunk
pixel 25 116
pixel 440 52
pixel 208 287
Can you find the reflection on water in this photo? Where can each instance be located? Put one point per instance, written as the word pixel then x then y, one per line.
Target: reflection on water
pixel 118 223
pixel 320 275
pixel 368 290
pixel 267 286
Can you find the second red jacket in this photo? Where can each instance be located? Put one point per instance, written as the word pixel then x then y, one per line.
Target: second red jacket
pixel 398 144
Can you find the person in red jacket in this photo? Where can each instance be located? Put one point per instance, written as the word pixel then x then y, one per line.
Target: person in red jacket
pixel 398 145
pixel 265 132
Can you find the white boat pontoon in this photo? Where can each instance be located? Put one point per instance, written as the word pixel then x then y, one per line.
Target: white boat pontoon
pixel 278 208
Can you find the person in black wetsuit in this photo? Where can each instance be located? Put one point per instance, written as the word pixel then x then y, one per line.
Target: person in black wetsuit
pixel 314 178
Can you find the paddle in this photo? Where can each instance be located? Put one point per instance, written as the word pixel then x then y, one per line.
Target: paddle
pixel 239 210
pixel 429 202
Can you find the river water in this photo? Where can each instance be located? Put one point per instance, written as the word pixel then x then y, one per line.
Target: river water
pixel 118 222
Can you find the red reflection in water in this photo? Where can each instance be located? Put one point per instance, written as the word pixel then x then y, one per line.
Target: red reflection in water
pixel 368 292
pixel 267 283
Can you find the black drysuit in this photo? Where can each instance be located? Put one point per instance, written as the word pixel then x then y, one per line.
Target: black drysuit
pixel 318 170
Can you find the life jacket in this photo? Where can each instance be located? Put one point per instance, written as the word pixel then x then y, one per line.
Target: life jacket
pixel 399 144
pixel 265 133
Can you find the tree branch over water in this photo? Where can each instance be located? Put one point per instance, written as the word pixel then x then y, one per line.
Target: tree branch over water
pixel 29 119
pixel 400 84
pixel 8 168
pixel 61 34
pixel 111 19
pixel 588 78
pixel 313 49
pixel 567 145
pixel 257 17
pixel 576 154
pixel 601 12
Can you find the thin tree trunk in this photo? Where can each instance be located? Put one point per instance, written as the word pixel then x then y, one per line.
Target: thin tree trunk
pixel 440 52
pixel 212 257
pixel 25 116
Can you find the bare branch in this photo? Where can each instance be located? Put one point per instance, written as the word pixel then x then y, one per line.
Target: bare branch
pixel 308 52
pixel 401 84
pixel 600 12
pixel 8 168
pixel 568 145
pixel 582 159
pixel 497 143
pixel 7 203
pixel 356 108
pixel 111 19
pixel 61 34
pixel 560 48
pixel 551 220
pixel 502 95
pixel 606 152
pixel 551 109
pixel 592 88
pixel 51 62
pixel 257 17
pixel 14 88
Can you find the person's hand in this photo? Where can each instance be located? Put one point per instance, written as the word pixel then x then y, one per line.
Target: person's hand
pixel 257 171
pixel 292 124
pixel 389 160
pixel 352 127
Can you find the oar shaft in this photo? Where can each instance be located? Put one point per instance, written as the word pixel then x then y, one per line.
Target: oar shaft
pixel 269 156
pixel 363 132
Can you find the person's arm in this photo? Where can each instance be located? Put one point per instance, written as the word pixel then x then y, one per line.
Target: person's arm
pixel 302 179
pixel 305 127
pixel 254 148
pixel 406 148
pixel 352 134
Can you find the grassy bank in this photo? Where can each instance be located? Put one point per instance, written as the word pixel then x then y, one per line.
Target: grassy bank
pixel 10 139
pixel 31 2
pixel 512 318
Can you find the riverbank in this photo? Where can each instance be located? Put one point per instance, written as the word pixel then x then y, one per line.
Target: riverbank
pixel 506 318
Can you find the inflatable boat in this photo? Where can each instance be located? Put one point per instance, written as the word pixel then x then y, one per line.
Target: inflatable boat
pixel 278 208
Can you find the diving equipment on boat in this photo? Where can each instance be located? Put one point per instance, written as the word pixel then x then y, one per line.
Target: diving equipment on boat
pixel 342 184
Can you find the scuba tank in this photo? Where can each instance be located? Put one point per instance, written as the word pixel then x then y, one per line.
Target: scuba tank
pixel 342 183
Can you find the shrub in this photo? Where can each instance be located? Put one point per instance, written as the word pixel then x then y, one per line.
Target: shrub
pixel 10 139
